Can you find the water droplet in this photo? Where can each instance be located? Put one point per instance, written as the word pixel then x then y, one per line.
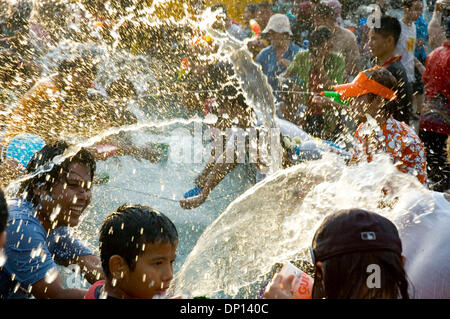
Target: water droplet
pixel 2 258
pixel 55 212
pixel 51 275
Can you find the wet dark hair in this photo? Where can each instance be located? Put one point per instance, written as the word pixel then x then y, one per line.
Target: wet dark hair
pixel 385 78
pixel 319 36
pixel 126 231
pixel 43 160
pixel 346 277
pixel 232 95
pixel 3 212
pixel 121 88
pixel 389 26
pixel 325 11
pixel 253 8
pixel 219 6
pixel 265 6
pixel 68 65
pixel 409 3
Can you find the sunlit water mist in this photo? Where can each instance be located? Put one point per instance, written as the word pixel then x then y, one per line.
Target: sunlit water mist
pixel 275 221
pixel 160 186
pixel 230 248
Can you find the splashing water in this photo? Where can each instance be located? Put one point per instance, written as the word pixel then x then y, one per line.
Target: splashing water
pixel 229 258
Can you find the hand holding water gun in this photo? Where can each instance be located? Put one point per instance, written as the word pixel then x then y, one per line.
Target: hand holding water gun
pixel 335 96
pixel 256 29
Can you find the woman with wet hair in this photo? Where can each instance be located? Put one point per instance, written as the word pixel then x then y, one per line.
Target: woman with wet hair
pixel 50 201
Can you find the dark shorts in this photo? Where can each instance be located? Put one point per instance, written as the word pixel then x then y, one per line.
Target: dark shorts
pixel 418 86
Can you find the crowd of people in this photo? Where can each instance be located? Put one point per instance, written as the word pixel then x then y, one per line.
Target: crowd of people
pixel 390 79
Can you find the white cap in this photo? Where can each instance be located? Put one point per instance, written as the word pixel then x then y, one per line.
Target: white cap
pixel 278 23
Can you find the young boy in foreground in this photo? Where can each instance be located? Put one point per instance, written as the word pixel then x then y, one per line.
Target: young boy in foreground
pixel 137 249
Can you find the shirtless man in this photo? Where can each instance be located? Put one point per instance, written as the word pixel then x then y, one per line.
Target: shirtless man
pixel 344 40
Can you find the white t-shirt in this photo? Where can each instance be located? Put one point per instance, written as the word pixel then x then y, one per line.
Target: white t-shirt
pixel 405 48
pixel 425 235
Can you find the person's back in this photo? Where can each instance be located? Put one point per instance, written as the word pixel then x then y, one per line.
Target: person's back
pixel 404 94
pixel 436 76
pixel 137 249
pixel 434 124
pixel 346 44
pixel 423 226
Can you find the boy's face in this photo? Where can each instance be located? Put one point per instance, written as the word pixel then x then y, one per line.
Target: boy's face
pixel 379 44
pixel 153 272
pixel 413 13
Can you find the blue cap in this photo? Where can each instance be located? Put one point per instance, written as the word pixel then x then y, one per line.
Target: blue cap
pixel 23 147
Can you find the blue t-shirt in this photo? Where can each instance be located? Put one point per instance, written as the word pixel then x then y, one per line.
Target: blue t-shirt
pixel 268 60
pixel 30 252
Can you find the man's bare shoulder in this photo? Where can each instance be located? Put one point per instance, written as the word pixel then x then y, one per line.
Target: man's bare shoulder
pixel 346 33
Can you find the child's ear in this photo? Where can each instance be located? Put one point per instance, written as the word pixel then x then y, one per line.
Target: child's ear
pixel 118 267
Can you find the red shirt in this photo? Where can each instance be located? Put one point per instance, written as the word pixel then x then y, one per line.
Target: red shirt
pixel 93 292
pixel 437 73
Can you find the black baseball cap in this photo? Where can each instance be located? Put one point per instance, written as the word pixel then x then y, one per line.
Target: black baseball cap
pixel 354 230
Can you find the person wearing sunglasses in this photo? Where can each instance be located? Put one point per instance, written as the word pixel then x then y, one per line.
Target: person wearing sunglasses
pixel 356 254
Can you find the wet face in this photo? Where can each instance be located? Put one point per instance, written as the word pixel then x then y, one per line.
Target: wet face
pixel 413 13
pixel 278 40
pixel 153 272
pixel 379 44
pixel 69 197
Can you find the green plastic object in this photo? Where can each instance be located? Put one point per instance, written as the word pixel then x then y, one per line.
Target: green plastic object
pixel 335 96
